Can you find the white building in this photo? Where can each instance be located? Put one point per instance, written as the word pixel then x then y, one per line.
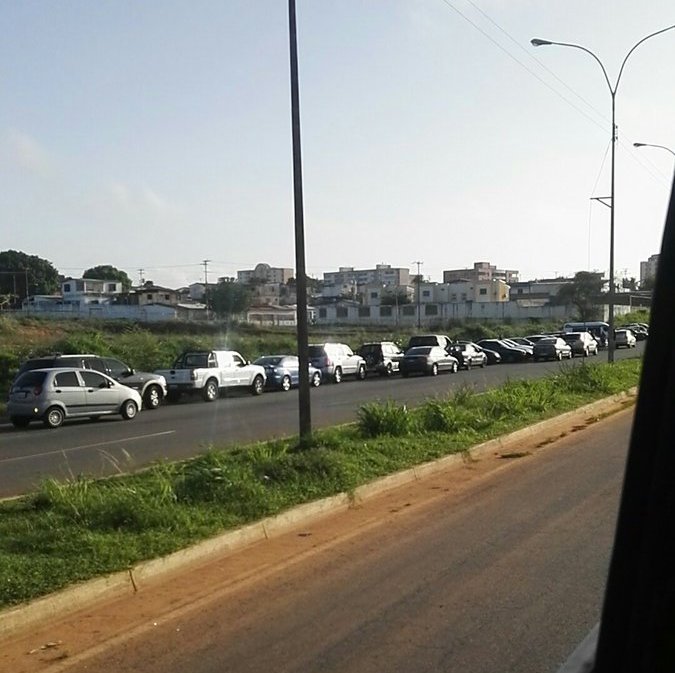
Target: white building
pixel 384 274
pixel 481 271
pixel 266 274
pixel 81 291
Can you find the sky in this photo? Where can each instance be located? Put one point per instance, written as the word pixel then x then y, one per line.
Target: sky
pixel 155 135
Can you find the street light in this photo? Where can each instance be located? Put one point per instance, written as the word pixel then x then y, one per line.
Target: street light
pixel 663 147
pixel 537 42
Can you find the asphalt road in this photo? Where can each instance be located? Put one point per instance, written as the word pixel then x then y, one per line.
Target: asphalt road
pixel 495 567
pixel 179 431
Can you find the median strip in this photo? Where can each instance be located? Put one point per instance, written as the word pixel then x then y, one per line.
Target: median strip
pixel 66 533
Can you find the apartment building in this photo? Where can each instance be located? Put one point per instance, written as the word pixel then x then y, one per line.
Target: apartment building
pixel 384 274
pixel 481 271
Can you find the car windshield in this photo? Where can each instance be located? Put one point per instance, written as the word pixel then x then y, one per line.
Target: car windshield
pixel 420 350
pixel 37 363
pixel 30 379
pixel 316 351
pixel 547 340
pixel 268 360
pixel 423 341
pixel 195 360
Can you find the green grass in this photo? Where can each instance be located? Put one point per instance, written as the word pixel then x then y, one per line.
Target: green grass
pixel 83 528
pixel 156 346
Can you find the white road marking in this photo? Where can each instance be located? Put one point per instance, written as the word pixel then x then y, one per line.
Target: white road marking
pixel 86 446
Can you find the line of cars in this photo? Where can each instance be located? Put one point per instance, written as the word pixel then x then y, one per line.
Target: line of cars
pixel 57 387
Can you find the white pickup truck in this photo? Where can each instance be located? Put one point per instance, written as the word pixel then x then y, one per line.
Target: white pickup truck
pixel 209 372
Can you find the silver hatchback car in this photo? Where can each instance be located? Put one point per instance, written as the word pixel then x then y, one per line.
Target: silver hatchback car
pixel 54 395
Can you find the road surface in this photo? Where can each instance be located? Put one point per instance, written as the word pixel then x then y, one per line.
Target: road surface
pixel 495 567
pixel 181 431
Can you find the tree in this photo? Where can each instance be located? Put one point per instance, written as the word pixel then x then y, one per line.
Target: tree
pixel 583 293
pixel 230 298
pixel 108 272
pixel 22 275
pixel 629 283
pixel 395 298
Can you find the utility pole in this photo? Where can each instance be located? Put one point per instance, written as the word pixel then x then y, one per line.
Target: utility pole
pixel 304 409
pixel 419 303
pixel 206 285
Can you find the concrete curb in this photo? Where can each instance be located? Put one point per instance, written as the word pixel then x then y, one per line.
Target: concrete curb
pixel 130 581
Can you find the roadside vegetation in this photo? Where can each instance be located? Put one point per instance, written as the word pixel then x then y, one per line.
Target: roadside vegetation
pixel 156 346
pixel 75 530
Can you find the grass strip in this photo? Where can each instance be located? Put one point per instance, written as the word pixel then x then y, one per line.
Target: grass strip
pixel 71 531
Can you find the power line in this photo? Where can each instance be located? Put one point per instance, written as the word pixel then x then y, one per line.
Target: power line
pixel 521 64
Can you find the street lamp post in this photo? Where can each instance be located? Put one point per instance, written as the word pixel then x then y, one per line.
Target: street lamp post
pixel 304 402
pixel 663 147
pixel 537 42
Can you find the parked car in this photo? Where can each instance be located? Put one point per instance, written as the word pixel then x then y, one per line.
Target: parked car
pixel 428 360
pixel 552 348
pixel 429 340
pixel 283 371
pixel 624 338
pixel 336 360
pixel 152 387
pixel 533 338
pixel 57 394
pixel 508 353
pixel 468 354
pixel 493 358
pixel 382 357
pixel 528 348
pixel 208 373
pixel 640 332
pixel 582 343
pixel 522 341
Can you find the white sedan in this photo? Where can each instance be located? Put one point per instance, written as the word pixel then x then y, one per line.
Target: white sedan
pixel 625 338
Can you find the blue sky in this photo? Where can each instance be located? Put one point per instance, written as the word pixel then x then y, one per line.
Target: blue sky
pixel 153 135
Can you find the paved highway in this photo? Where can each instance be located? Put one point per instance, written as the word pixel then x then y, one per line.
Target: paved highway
pixel 180 431
pixel 496 567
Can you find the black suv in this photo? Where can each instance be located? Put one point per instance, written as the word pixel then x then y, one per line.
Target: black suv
pixel 151 387
pixel 382 357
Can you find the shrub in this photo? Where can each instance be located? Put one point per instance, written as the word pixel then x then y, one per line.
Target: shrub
pixel 375 419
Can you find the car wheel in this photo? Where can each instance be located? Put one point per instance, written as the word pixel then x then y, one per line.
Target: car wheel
pixel 316 379
pixel 389 370
pixel 286 383
pixel 483 363
pixel 468 365
pixel 337 375
pixel 585 352
pixel 129 410
pixel 210 391
pixel 258 385
pixel 454 367
pixel 434 370
pixel 558 355
pixel 53 417
pixel 361 373
pixel 153 397
pixel 20 421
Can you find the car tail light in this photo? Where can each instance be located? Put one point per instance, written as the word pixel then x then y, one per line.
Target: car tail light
pixel 329 362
